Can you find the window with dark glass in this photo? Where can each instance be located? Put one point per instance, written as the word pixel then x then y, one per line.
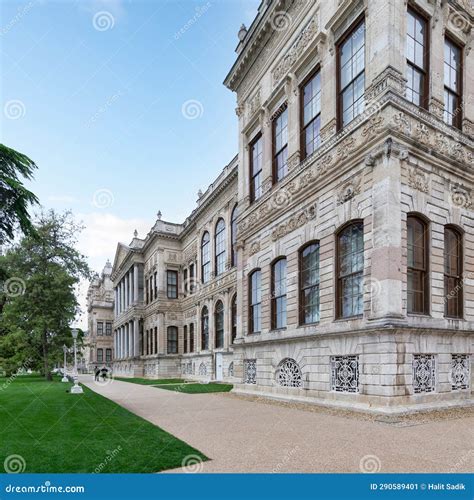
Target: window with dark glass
pixel 191 337
pixel 156 285
pixel 256 161
pixel 233 236
pixel 147 290
pixel 278 302
pixel 309 284
pixel 219 324
pixel 452 84
pixel 205 258
pixel 172 340
pixel 108 355
pixel 108 328
pixel 185 282
pixel 311 114
pixel 255 298
pixel 234 317
pixel 204 329
pixel 350 268
pixel 100 355
pixel 280 144
pixel 172 284
pixel 417 59
pixel 220 244
pixel 156 340
pixel 417 268
pixel 191 278
pixel 185 339
pixel 351 75
pixel 100 328
pixel 453 270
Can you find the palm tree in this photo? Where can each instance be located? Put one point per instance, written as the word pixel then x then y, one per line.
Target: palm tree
pixel 15 199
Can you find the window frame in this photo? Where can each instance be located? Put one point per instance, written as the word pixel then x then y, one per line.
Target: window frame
pixel 172 342
pixel 220 233
pixel 100 331
pixel 100 351
pixel 274 297
pixel 233 236
pixel 108 355
pixel 275 154
pixel 171 286
pixel 233 309
pixel 219 333
pixel 185 339
pixel 339 91
pixel 302 289
pixel 457 121
pixel 206 265
pixel 204 331
pixel 108 328
pixel 252 176
pixel 191 337
pixel 459 277
pixel 303 127
pixel 251 330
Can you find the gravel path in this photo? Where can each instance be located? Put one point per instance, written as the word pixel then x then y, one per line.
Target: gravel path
pixel 242 434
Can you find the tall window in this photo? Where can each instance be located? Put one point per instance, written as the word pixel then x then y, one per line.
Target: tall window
pixel 417 268
pixel 172 340
pixel 255 298
pixel 185 339
pixel 417 59
pixel 108 328
pixel 256 161
pixel 205 258
pixel 351 77
pixel 172 284
pixel 234 317
pixel 108 355
pixel 191 337
pixel 280 144
pixel 309 284
pixel 453 269
pixel 156 340
pixel 100 328
pixel 219 324
pixel 147 290
pixel 100 355
pixel 311 114
pixel 191 278
pixel 278 306
pixel 233 236
pixel 156 284
pixel 350 267
pixel 452 84
pixel 185 282
pixel 220 246
pixel 204 329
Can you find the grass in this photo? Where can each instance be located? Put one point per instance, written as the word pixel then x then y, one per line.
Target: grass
pixel 196 388
pixel 55 431
pixel 146 381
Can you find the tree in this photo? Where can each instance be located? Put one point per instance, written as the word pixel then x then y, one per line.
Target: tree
pixel 43 271
pixel 15 199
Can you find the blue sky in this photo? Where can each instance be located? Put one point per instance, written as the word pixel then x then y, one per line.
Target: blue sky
pixel 121 104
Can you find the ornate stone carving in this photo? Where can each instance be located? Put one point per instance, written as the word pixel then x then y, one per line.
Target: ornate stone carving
pixel 373 127
pixel 346 148
pixel 461 197
pixel 418 180
pixel 294 222
pixel 345 373
pixel 254 248
pixel 289 374
pixel 460 373
pixel 423 373
pixel 254 103
pixel 250 371
pixel 349 190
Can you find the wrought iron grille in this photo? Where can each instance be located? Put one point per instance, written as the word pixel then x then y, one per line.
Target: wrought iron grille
pixel 250 371
pixel 424 373
pixel 289 374
pixel 460 372
pixel 202 369
pixel 345 373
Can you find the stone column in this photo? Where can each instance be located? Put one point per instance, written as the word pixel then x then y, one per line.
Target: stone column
pixel 267 167
pixel 135 282
pixel 131 339
pixel 123 341
pixel 293 96
pixel 136 338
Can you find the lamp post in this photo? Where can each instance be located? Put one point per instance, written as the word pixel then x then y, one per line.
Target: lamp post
pixel 76 389
pixel 64 379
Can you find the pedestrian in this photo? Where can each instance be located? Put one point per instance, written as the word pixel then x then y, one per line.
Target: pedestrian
pixel 97 373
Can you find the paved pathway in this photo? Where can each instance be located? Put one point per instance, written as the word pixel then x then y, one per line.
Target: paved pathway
pixel 249 436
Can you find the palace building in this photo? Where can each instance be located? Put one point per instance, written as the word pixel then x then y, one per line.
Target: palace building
pixel 332 259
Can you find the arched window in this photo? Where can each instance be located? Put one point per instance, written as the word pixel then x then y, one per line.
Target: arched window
pixel 233 236
pixel 234 317
pixel 205 258
pixel 185 339
pixel 220 247
pixel 191 337
pixel 255 300
pixel 278 305
pixel 309 283
pixel 204 329
pixel 350 268
pixel 172 340
pixel 219 324
pixel 453 270
pixel 417 266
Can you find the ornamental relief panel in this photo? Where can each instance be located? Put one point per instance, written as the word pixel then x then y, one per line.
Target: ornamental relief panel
pixel 460 196
pixel 418 180
pixel 349 190
pixel 294 222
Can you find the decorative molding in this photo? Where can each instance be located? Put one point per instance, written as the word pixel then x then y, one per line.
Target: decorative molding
pixel 254 248
pixel 418 180
pixel 254 103
pixel 294 222
pixel 461 197
pixel 349 190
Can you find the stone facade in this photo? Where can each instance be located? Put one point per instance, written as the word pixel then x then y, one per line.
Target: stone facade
pixel 98 349
pixel 393 161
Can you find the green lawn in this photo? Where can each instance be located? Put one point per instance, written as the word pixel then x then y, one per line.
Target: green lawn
pixel 196 388
pixel 54 431
pixel 146 381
